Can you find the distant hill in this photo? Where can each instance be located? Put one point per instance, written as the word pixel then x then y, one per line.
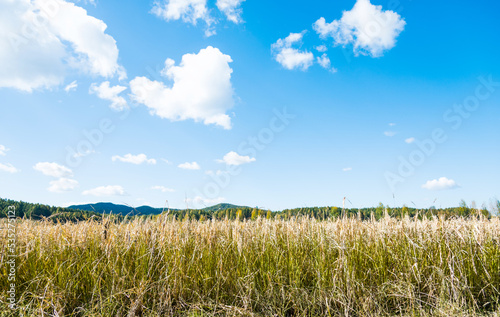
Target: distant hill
pixel 123 210
pixel 142 210
pixel 221 207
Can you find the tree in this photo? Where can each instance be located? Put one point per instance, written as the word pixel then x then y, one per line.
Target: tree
pixel 269 215
pixel 254 214
pixel 239 215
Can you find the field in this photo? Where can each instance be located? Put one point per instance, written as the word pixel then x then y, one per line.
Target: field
pixel 298 267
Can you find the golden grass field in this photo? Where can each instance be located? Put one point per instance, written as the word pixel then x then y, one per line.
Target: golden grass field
pixel 299 267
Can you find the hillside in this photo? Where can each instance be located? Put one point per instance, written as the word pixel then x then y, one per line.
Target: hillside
pixel 142 210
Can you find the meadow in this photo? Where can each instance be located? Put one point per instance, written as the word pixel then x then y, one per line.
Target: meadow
pixel 262 267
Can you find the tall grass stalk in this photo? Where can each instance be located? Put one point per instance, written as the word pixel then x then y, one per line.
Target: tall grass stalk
pixel 301 267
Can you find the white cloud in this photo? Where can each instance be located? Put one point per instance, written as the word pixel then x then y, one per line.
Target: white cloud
pixel 233 158
pixel 367 27
pixel 62 185
pixel 201 89
pixel 321 48
pixel 53 169
pixel 166 161
pixel 111 93
pixel 231 8
pixel 392 124
pixel 8 168
pixel 3 150
pixel 292 58
pixel 325 62
pixel 189 11
pixel 410 140
pixel 134 159
pixel 111 190
pixel 347 169
pixel 163 189
pixel 440 184
pixel 71 86
pixel 189 166
pixel 41 41
pixel 390 133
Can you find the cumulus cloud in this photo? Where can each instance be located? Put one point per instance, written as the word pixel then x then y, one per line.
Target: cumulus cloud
pixel 410 140
pixel 189 11
pixel 321 48
pixel 201 89
pixel 9 168
pixel 233 158
pixel 111 190
pixel 231 8
pixel 370 30
pixel 71 86
pixel 325 62
pixel 390 133
pixel 289 57
pixel 41 41
pixel 189 166
pixel 3 150
pixel 110 93
pixel 134 159
pixel 62 185
pixel 53 169
pixel 440 184
pixel 163 189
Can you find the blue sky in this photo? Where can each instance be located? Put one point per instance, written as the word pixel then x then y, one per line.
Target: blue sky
pixel 250 102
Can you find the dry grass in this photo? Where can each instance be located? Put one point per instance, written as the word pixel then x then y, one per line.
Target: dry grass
pixel 301 267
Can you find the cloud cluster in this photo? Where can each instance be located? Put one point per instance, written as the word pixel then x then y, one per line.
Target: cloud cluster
pixel 367 27
pixel 189 166
pixel 53 169
pixel 233 158
pixel 192 11
pixel 134 159
pixel 163 189
pixel 410 140
pixel 71 86
pixel 440 184
pixel 3 150
pixel 232 9
pixel 63 182
pixel 9 168
pixel 41 41
pixel 62 185
pixel 110 93
pixel 289 57
pixel 201 89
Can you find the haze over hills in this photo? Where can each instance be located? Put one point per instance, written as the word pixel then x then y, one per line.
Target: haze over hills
pixel 106 207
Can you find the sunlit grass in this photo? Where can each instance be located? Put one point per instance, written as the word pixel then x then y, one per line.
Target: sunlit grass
pixel 300 267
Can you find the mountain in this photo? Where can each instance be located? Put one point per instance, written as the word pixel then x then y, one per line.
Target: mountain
pixel 221 207
pixel 142 210
pixel 107 208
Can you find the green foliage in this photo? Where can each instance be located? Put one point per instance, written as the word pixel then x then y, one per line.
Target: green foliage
pixel 39 212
